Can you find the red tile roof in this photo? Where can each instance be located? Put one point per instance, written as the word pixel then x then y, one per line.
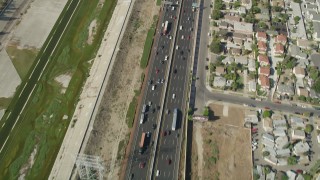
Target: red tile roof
pixel 281 38
pixel 262 46
pixel 264 71
pixel 264 80
pixel 263 58
pixel 279 48
pixel 262 35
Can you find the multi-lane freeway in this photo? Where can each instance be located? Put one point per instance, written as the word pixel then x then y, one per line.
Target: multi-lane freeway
pixel 158 116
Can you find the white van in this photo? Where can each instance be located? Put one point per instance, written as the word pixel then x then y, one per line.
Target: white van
pixel 177 47
pixel 141 118
pixel 158 173
pixel 144 108
pixel 180 28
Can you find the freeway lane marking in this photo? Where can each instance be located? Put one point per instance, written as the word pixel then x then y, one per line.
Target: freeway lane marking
pixel 3 125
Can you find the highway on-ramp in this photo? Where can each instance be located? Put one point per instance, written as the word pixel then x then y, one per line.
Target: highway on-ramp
pixel 22 96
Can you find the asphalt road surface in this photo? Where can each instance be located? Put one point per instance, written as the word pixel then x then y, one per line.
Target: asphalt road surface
pixel 25 91
pixel 168 151
pixel 138 164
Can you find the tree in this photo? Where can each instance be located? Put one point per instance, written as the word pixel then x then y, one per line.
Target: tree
pixel 215 46
pixel 292 160
pixel 216 14
pixel 302 98
pixel 277 8
pixel 309 128
pixel 267 170
pixel 296 19
pixel 262 25
pixel 316 85
pixel 255 10
pixel 206 111
pixel 313 72
pixel 307 176
pixel 237 4
pixel 265 153
pixel 266 114
pixel 289 62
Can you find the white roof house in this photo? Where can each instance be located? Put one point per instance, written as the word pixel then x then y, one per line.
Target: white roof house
pixel 267 124
pixel 297 122
pixel 279 124
pixel 298 134
pixel 219 81
pixel 291 175
pixel 279 132
pixel 271 159
pixel 283 152
pixel 251 65
pixel 241 60
pixel 304 159
pixel 228 60
pixel 242 27
pixel 252 86
pixel 300 148
pixel 267 143
pixel 271 176
pixel 251 118
pixel 282 162
pixel 281 142
pixel 268 137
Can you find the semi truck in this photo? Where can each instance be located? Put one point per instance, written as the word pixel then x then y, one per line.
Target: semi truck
pixel 165 28
pixel 141 145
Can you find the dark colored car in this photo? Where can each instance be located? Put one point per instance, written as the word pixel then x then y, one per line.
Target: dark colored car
pixel 154 126
pixel 169 161
pixel 175 71
pixel 142 164
pixel 164 133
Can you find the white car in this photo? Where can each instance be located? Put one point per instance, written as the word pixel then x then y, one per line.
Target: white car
pixel 182 37
pixel 180 28
pixel 166 58
pixel 158 173
pixel 177 47
pixel 172 8
pixel 173 96
pixel 153 87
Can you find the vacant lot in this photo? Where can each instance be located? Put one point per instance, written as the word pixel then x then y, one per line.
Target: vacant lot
pixel 221 147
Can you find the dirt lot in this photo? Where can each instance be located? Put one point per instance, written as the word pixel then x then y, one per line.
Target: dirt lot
pixel 110 132
pixel 221 147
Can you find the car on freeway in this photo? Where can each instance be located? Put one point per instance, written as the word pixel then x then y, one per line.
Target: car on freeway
pixel 180 27
pixel 166 57
pixel 162 80
pixel 162 62
pixel 150 82
pixel 181 52
pixel 149 103
pixel 182 37
pixel 169 132
pixel 167 111
pixel 207 67
pixel 173 96
pixel 189 37
pixel 153 87
pixel 142 164
pixel 153 110
pixel 157 71
pixel 177 47
pixel 169 161
pixel 148 134
pixel 164 133
pixel 154 126
pixel 159 80
pixel 175 71
pixel 158 173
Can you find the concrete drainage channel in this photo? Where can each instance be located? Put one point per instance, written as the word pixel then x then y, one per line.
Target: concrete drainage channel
pixel 154 152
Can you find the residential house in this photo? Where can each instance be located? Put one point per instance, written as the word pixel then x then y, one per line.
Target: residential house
pixel 223 25
pixel 238 42
pixel 251 65
pixel 241 60
pixel 315 17
pixel 282 162
pixel 303 43
pixel 315 59
pixel 252 118
pixel 271 159
pixel 244 37
pixel 291 175
pixel 262 46
pixel 267 144
pixel 252 86
pixel 304 160
pixel 267 124
pixel 263 60
pixel 246 3
pixel 281 142
pixel 228 60
pixel 264 82
pixel 271 176
pixel 285 89
pixel 279 132
pixel 264 71
pixel 302 92
pixel 279 50
pixel 242 27
pixel 296 52
pixel 261 36
pixel 297 122
pixel 235 51
pixel 219 81
pixel 242 10
pixel 280 124
pixel 300 148
pixel 232 19
pixel 316 30
pixel 283 152
pixel 282 39
pixel 220 70
pixel 299 72
pixel 298 134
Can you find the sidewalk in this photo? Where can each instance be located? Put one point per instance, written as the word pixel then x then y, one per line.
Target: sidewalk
pixel 90 97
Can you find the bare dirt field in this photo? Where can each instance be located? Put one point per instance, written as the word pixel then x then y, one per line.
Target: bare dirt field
pixel 221 147
pixel 110 133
